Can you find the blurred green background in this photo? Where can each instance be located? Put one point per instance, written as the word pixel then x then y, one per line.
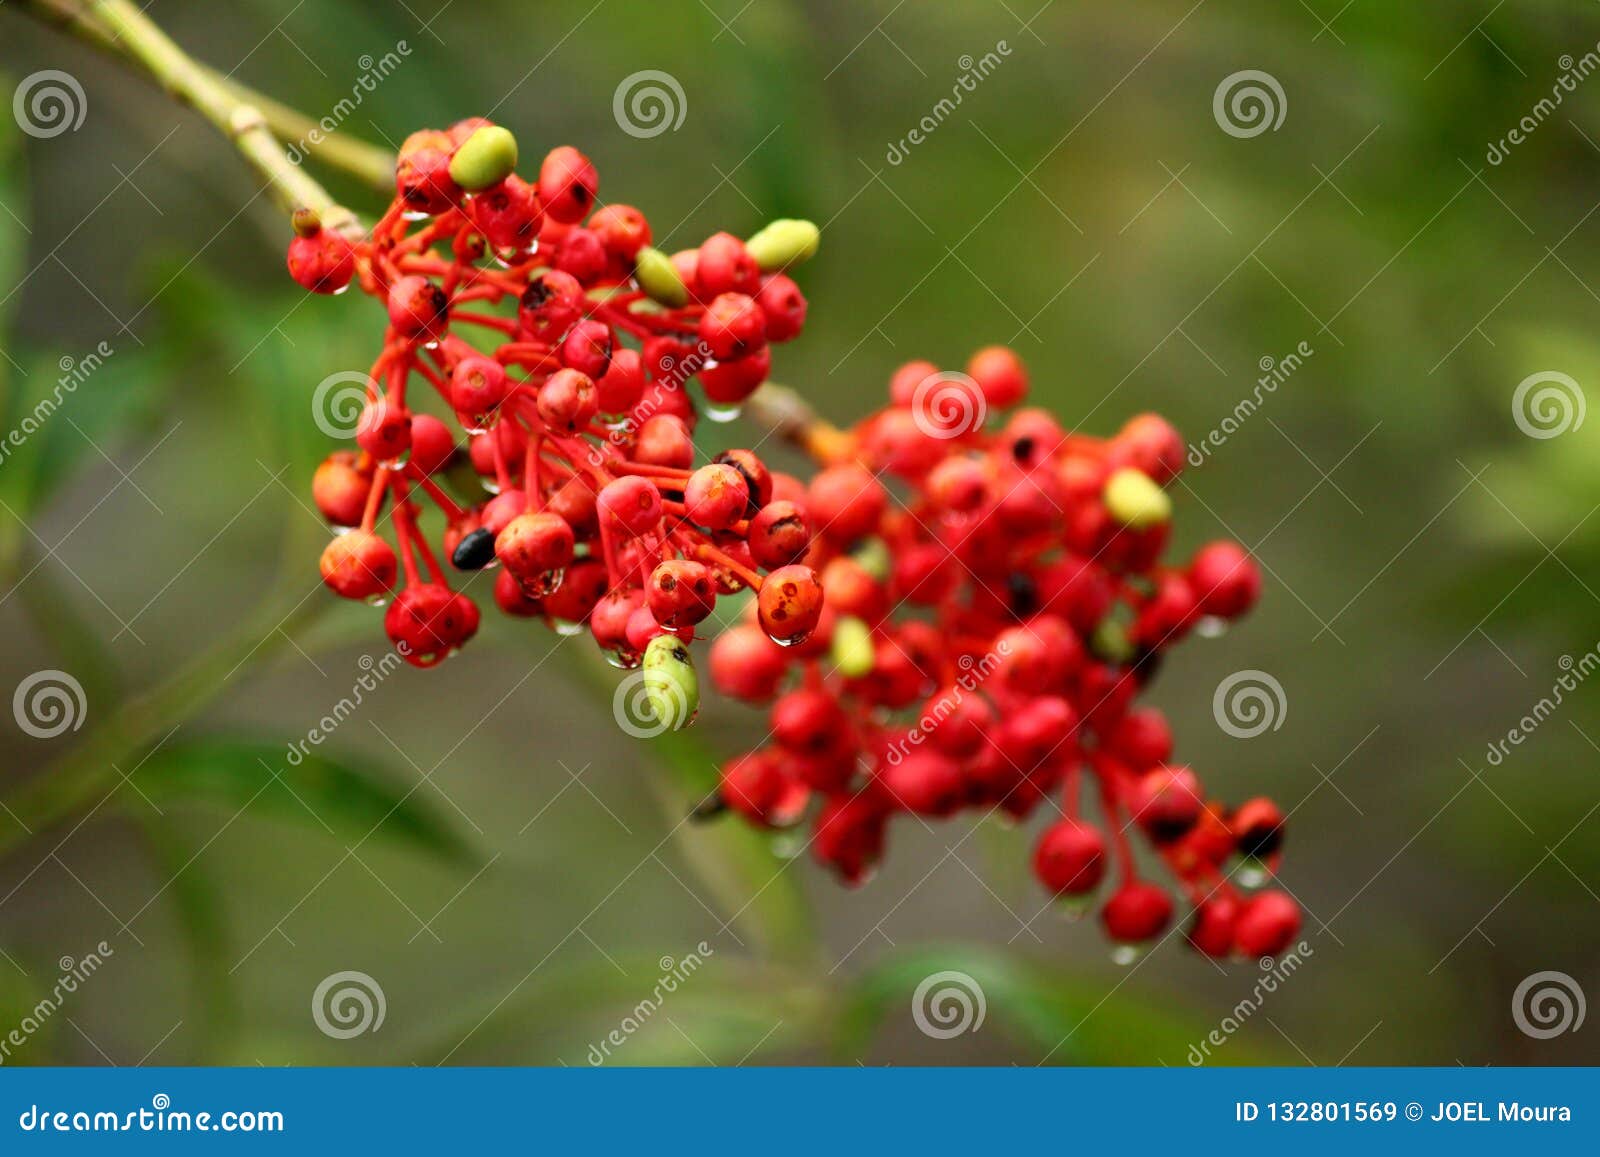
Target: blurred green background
pixel 1429 565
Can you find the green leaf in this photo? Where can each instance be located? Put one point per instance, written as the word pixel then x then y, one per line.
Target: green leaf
pixel 19 996
pixel 199 911
pixel 1067 1019
pixel 618 1011
pixel 325 792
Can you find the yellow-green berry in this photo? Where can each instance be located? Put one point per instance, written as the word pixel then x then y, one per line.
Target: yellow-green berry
pixel 484 159
pixel 1136 501
pixel 1110 642
pixel 671 686
pixel 783 243
pixel 852 650
pixel 659 279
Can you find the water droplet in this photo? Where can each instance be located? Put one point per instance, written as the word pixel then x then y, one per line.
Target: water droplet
pixel 415 215
pixel 722 413
pixel 565 629
pixel 544 584
pixel 1251 873
pixel 1126 954
pixel 792 640
pixel 378 600
pixel 1073 908
pixel 1211 627
pixel 623 659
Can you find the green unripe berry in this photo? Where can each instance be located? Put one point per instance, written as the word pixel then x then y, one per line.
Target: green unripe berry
pixel 484 159
pixel 1136 501
pixel 1110 643
pixel 671 686
pixel 851 650
pixel 783 243
pixel 659 279
pixel 872 556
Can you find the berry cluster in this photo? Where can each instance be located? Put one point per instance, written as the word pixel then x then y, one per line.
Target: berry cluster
pixel 561 343
pixel 988 628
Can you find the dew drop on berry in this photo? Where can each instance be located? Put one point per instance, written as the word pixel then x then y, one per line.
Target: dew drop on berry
pixel 544 584
pixel 1128 954
pixel 415 215
pixel 721 413
pixel 1211 627
pixel 1251 873
pixel 565 629
pixel 792 640
pixel 1074 908
pixel 623 658
pixel 787 845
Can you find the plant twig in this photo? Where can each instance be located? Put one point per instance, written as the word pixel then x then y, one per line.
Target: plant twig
pixel 372 164
pixel 241 122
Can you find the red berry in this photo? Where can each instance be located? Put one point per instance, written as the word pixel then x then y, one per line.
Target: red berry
pixel 477 387
pixel 623 383
pixel 725 266
pixel 1070 859
pixel 733 326
pixel 716 496
pixel 680 593
pixel 1226 581
pixel 536 547
pixel 432 444
pixel 358 565
pixel 1211 928
pixel 384 429
pixel 418 308
pixel 1137 911
pixel 340 490
pixel 746 665
pixel 567 184
pixel 1000 375
pixel 778 535
pixel 1267 922
pixel 567 400
pixel 323 261
pixel 790 603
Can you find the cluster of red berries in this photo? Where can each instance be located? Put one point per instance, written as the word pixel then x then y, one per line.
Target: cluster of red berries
pixel 995 603
pixel 561 344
